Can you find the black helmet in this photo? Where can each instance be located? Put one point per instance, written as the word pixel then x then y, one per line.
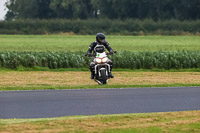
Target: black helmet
pixel 100 37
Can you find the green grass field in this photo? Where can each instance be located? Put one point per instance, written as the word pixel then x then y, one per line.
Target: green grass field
pixel 81 43
pixel 170 122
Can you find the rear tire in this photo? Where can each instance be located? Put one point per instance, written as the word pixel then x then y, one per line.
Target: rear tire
pixel 103 76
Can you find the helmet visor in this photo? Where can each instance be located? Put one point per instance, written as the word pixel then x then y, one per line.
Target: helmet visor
pixel 102 40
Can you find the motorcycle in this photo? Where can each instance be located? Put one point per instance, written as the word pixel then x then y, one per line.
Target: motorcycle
pixel 101 68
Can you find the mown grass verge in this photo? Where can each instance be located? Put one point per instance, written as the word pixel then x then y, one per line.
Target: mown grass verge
pixel 183 122
pixel 64 79
pixel 49 87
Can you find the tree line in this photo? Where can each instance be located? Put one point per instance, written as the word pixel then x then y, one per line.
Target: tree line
pixel 111 9
pixel 107 26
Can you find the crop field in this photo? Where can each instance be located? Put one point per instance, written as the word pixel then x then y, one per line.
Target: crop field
pixel 81 43
pixel 126 60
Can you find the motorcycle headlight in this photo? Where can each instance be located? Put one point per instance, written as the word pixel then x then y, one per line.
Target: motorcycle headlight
pixel 98 60
pixel 105 59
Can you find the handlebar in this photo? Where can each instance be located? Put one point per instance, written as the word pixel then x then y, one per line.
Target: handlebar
pixel 88 55
pixel 112 53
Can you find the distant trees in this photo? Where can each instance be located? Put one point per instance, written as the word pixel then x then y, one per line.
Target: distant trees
pixel 29 9
pixel 112 9
pixel 72 8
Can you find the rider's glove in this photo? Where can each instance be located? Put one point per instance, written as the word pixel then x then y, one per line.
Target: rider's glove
pixel 111 52
pixel 88 54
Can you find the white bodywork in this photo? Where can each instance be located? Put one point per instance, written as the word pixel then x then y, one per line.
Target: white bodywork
pixel 101 58
pixel 101 55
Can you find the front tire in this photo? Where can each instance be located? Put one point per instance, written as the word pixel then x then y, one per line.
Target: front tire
pixel 103 76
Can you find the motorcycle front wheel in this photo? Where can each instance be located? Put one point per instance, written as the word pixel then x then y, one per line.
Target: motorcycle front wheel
pixel 103 76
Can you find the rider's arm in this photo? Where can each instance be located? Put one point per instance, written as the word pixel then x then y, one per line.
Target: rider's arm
pixel 91 48
pixel 108 47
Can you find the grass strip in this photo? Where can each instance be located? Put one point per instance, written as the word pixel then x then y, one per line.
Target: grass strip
pixel 185 121
pixel 43 80
pixel 49 87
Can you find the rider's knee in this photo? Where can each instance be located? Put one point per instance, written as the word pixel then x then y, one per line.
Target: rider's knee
pixel 92 64
pixel 110 62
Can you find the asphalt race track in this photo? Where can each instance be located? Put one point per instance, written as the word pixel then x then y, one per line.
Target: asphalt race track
pixel 56 103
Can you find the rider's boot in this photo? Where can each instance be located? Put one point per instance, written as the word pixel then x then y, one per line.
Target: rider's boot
pixel 110 74
pixel 92 72
pixel 92 75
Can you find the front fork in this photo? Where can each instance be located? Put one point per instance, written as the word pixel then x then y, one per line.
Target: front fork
pixel 95 69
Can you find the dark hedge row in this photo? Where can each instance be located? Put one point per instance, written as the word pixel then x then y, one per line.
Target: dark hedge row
pixel 93 26
pixel 129 60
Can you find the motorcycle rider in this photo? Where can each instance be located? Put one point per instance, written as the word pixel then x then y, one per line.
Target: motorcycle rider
pixel 100 41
